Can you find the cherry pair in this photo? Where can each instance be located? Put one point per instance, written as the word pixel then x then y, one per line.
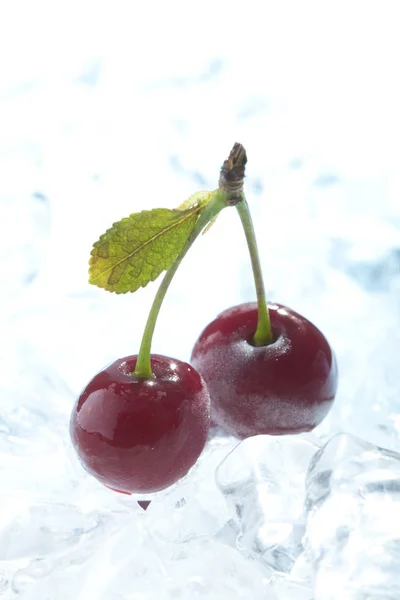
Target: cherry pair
pixel 141 423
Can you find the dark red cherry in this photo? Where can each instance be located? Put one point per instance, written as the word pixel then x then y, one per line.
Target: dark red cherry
pixel 285 387
pixel 141 435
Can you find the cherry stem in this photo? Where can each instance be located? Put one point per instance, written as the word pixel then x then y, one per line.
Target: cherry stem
pixel 143 363
pixel 263 335
pixel 229 193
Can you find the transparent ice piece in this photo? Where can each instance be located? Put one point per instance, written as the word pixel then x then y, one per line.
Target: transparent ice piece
pixel 263 480
pixel 194 507
pixel 353 526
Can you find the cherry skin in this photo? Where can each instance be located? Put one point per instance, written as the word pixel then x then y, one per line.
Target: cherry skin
pixel 141 434
pixel 285 387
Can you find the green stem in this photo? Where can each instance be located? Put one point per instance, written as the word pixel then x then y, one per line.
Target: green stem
pixel 143 363
pixel 263 335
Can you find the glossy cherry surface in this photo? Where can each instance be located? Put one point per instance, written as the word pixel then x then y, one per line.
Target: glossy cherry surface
pixel 141 435
pixel 285 387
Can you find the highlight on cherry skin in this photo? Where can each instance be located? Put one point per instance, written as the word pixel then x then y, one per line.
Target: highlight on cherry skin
pixel 285 387
pixel 141 435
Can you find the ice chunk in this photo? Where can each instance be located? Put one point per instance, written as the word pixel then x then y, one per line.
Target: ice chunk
pixel 288 589
pixel 194 507
pixel 128 564
pixel 214 571
pixel 132 566
pixel 46 529
pixel 44 542
pixel 353 526
pixel 263 480
pixel 23 431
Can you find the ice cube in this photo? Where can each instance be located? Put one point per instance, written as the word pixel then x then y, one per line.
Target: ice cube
pixel 125 566
pixel 46 529
pixel 263 480
pixel 194 507
pixel 210 570
pixel 288 589
pixel 133 564
pixel 50 543
pixel 353 526
pixel 6 573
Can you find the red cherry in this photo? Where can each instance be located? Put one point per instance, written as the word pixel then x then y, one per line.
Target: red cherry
pixel 141 434
pixel 285 387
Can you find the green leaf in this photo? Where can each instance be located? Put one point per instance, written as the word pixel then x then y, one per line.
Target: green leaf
pixel 135 250
pixel 201 198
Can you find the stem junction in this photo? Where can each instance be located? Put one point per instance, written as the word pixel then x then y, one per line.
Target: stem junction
pixel 229 193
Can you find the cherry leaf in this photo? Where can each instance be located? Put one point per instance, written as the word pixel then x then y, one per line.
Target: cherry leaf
pixel 201 198
pixel 137 249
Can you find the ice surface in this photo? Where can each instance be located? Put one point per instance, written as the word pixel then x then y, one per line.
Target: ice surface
pixel 353 529
pixel 264 480
pixel 194 508
pixel 118 121
pixel 203 569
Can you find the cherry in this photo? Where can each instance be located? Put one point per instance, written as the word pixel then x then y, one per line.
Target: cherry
pixel 141 423
pixel 287 386
pixel 141 434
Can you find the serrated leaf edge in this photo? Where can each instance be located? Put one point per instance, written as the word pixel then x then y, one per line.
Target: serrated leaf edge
pixel 187 214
